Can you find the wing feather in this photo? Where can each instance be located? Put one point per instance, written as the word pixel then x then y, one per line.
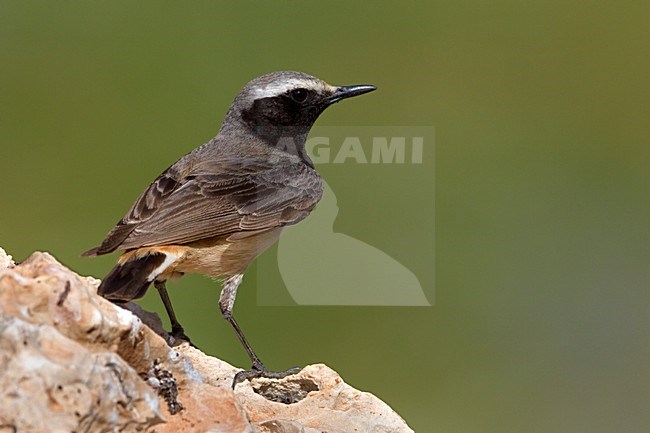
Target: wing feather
pixel 217 199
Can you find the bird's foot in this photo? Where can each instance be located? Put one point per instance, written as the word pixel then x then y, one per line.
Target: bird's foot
pixel 258 370
pixel 178 336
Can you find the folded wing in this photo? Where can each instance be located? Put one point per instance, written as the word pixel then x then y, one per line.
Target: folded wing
pixel 219 199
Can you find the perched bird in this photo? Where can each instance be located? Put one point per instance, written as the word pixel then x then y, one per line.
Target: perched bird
pixel 220 206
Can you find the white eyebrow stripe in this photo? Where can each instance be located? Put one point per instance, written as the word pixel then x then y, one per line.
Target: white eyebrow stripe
pixel 279 88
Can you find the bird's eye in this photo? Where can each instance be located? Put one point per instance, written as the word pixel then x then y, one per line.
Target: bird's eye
pixel 299 95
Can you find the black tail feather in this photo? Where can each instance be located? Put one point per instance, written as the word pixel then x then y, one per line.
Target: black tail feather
pixel 130 280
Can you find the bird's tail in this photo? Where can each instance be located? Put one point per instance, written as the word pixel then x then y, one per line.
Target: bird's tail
pixel 131 278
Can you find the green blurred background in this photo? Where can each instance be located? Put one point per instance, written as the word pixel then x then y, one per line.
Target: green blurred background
pixel 541 113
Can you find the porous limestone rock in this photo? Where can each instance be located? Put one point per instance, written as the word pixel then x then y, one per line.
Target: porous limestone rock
pixel 70 361
pixel 49 383
pixel 5 260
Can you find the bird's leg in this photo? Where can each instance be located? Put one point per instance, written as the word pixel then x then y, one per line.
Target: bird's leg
pixel 177 330
pixel 226 303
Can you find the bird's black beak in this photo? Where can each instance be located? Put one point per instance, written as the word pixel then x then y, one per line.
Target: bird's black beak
pixel 343 92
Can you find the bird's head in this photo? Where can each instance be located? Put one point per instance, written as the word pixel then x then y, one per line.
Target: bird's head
pixel 286 103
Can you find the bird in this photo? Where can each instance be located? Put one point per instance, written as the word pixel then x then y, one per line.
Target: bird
pixel 221 205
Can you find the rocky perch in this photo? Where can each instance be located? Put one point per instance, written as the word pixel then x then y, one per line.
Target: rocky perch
pixel 70 361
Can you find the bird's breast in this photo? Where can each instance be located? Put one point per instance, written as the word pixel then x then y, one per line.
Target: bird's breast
pixel 224 256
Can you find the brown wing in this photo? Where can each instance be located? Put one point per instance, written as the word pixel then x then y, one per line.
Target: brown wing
pixel 217 200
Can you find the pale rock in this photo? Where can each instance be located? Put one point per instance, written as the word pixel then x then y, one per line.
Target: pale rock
pixel 70 361
pixel 49 383
pixel 5 260
pixel 320 401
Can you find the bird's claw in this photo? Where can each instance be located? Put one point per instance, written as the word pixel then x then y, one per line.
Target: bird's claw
pixel 178 336
pixel 261 371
